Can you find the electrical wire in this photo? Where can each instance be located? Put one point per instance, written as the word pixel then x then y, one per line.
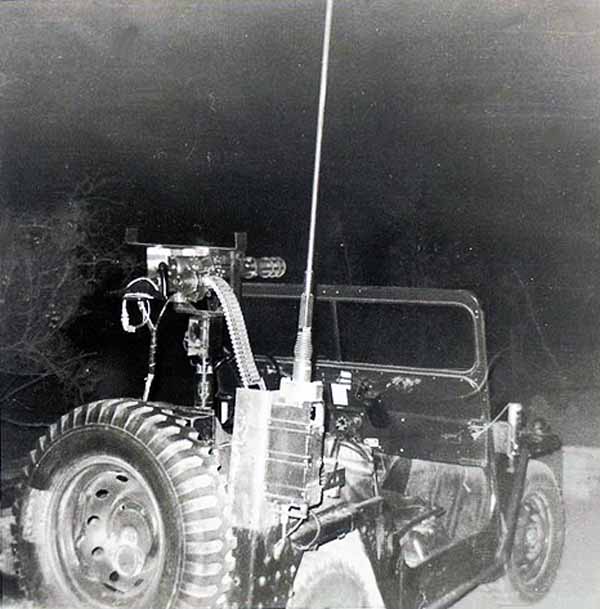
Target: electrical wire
pixel 309 545
pixel 11 421
pixel 144 308
pixel 486 376
pixel 153 327
pixel 143 303
pixel 291 531
pixel 487 426
pixel 141 279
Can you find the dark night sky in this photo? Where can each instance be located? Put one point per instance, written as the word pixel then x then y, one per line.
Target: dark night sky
pixel 472 125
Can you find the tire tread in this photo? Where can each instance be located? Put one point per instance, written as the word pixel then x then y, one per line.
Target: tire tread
pixel 193 475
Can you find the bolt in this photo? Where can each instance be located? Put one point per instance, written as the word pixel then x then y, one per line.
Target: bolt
pixel 531 535
pixel 129 560
pixel 129 536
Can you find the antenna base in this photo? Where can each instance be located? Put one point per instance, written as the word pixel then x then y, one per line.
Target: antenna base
pixel 303 356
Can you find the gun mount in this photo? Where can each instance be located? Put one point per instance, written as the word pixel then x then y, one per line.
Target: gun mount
pixel 203 283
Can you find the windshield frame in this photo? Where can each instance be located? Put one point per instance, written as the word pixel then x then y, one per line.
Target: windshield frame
pixel 389 295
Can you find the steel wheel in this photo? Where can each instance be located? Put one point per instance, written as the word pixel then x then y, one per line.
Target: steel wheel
pixel 538 543
pixel 109 540
pixel 533 538
pixel 123 508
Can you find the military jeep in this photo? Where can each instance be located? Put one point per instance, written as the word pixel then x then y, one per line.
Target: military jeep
pixel 382 482
pixel 462 499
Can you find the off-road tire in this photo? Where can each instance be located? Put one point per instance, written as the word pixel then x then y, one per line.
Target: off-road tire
pixel 534 561
pixel 332 578
pixel 123 507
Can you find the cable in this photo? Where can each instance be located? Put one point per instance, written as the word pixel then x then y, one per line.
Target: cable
pixel 162 311
pixel 144 308
pixel 143 302
pixel 486 376
pixel 224 360
pixel 153 327
pixel 481 431
pixel 309 545
pixel 291 531
pixel 5 419
pixel 140 279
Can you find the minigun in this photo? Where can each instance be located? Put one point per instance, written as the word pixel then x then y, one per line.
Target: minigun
pixel 202 282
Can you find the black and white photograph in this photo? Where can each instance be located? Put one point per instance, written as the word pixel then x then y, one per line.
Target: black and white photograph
pixel 299 304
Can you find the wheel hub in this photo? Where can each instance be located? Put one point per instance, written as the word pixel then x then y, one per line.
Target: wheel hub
pixel 129 561
pixel 535 526
pixel 114 544
pixel 534 537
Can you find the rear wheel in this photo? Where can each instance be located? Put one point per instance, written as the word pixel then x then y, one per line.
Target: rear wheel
pixel 123 508
pixel 336 576
pixel 538 543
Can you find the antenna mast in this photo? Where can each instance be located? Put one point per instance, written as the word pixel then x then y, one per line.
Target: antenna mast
pixel 303 348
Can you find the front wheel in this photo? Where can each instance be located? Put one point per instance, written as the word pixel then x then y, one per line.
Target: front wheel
pixel 538 543
pixel 123 508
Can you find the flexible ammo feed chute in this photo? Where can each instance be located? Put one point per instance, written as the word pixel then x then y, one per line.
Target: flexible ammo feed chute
pixel 236 326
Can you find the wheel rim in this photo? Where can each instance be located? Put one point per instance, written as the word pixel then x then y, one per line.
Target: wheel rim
pixel 533 540
pixel 109 537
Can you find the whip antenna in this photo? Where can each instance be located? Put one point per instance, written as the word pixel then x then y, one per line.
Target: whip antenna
pixel 303 347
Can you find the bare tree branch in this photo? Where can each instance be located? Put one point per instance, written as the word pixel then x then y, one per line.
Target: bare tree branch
pixel 48 263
